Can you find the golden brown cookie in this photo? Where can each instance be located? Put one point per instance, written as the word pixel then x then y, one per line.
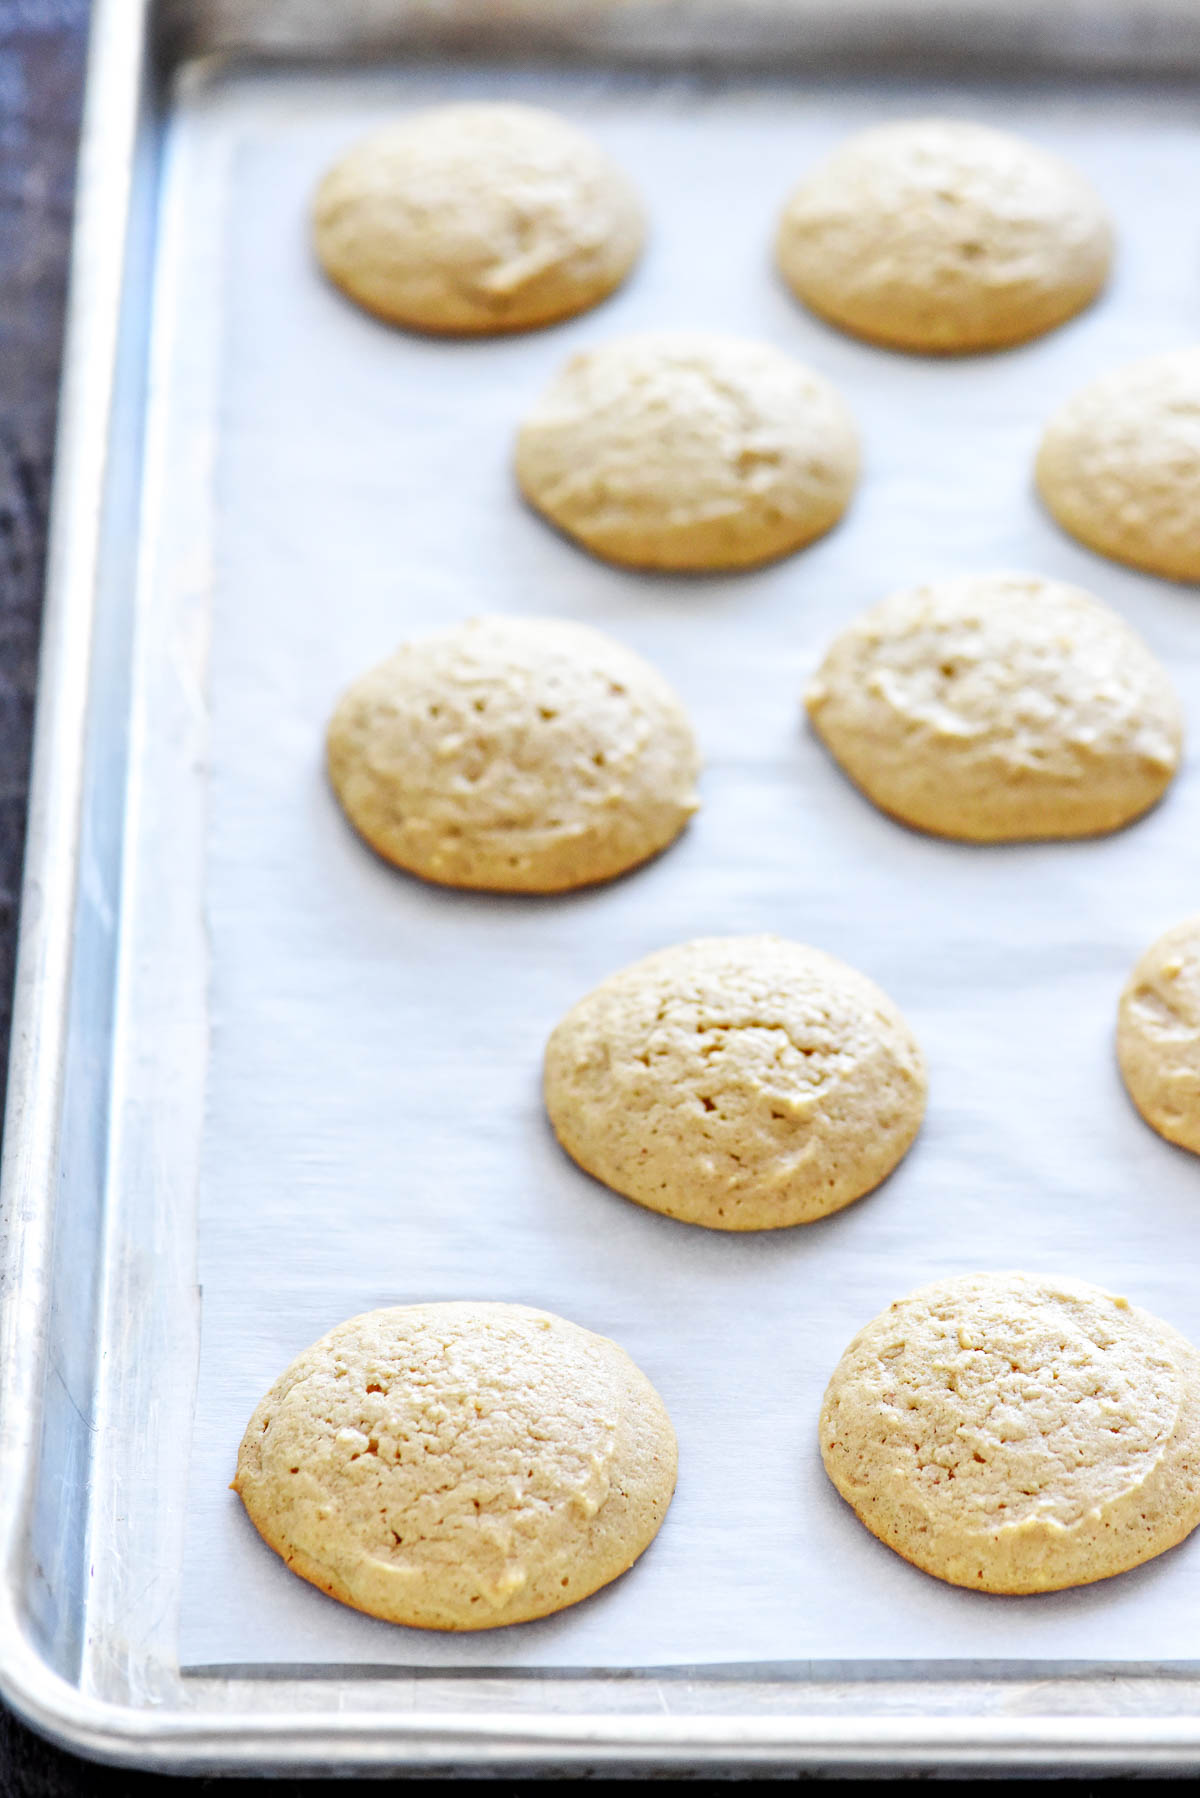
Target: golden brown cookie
pixel 688 451
pixel 459 1466
pixel 1017 1432
pixel 999 707
pixel 739 1082
pixel 514 754
pixel 1158 1035
pixel 1119 465
pixel 477 217
pixel 940 235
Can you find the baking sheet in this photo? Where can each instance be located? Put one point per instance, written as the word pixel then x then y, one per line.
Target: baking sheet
pixel 373 1125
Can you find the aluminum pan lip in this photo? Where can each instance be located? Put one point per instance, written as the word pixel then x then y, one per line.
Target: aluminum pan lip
pixel 1023 36
pixel 186 1742
pixel 178 1738
pixel 28 1176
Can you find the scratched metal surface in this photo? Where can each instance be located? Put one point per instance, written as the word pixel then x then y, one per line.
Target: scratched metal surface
pixel 101 1318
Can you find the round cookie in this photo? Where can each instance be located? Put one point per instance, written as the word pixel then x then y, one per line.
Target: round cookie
pixel 459 1466
pixel 476 218
pixel 516 755
pixel 1158 1035
pixel 688 451
pixel 999 707
pixel 739 1082
pixel 939 235
pixel 1119 465
pixel 1016 1432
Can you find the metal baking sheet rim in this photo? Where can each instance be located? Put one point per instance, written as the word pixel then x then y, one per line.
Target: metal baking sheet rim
pixel 123 32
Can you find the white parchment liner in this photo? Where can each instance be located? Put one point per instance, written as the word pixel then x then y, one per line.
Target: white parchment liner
pixel 374 1131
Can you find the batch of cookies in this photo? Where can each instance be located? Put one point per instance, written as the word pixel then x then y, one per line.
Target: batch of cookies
pixel 466 1465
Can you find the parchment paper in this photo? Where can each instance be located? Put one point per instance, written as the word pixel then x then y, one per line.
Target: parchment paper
pixel 374 1130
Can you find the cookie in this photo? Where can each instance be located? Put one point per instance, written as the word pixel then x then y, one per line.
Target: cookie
pixel 521 755
pixel 683 450
pixel 1119 465
pixel 477 218
pixel 739 1082
pixel 939 235
pixel 999 707
pixel 1017 1433
pixel 1158 1035
pixel 459 1466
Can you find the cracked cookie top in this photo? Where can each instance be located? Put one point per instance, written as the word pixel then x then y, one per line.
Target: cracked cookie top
pixel 1119 464
pixel 996 707
pixel 514 754
pixel 1158 1035
pixel 477 218
pixel 1017 1432
pixel 941 235
pixel 688 451
pixel 459 1466
pixel 738 1082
